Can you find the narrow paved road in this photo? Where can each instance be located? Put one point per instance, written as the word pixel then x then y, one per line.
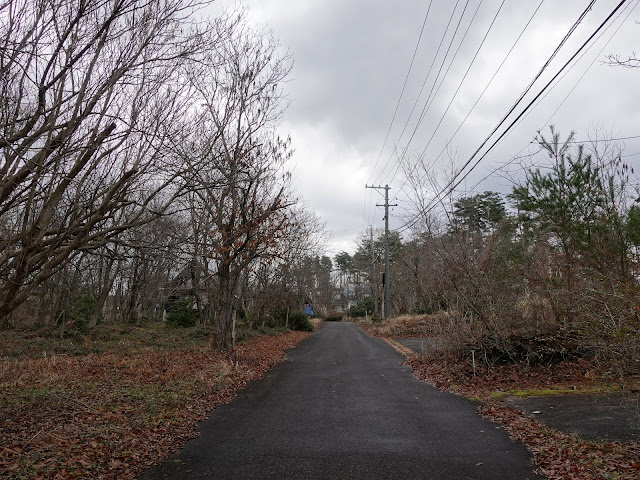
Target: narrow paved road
pixel 343 407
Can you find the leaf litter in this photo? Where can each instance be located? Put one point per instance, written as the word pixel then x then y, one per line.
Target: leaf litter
pixel 558 455
pixel 110 415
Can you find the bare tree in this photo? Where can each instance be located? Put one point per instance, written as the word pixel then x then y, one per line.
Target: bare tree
pixel 238 164
pixel 91 92
pixel 294 274
pixel 632 61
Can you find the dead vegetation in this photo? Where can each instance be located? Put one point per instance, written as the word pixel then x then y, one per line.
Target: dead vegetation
pixel 108 414
pixel 413 325
pixel 476 374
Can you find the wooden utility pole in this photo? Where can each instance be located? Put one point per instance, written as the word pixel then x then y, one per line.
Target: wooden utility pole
pixel 374 277
pixel 386 280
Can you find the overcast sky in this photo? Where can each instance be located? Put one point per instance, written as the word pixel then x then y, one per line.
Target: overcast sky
pixel 351 60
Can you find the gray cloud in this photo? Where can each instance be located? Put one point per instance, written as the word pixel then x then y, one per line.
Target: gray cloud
pixel 351 58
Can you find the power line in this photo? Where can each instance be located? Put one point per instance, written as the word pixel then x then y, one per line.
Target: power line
pixel 585 72
pixel 515 105
pixel 461 82
pixel 415 51
pixel 432 98
pixel 523 94
pixel 487 85
pixel 633 137
pixel 415 104
pixel 432 204
pixel 539 94
pixel 517 156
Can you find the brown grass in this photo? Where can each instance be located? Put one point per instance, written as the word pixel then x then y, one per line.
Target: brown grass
pixel 434 325
pixel 558 455
pixel 108 415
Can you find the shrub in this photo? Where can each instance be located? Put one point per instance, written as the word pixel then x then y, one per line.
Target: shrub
pixel 80 310
pixel 333 317
pixel 300 321
pixel 364 307
pixel 181 313
pixel 435 305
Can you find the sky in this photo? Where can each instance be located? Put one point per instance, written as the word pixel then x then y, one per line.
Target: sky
pixel 403 93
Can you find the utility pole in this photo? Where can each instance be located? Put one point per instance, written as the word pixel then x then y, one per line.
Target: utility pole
pixel 375 278
pixel 386 279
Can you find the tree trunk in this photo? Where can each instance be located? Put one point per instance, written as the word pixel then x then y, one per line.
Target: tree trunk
pixel 223 321
pixel 106 283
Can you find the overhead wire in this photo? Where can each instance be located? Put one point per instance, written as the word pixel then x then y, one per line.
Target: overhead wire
pixel 404 86
pixel 424 83
pixel 527 89
pixel 631 9
pixel 427 106
pixel 451 186
pixel 632 137
pixel 464 77
pixel 517 156
pixel 431 94
pixel 540 93
pixel 429 100
pixel 415 51
pixel 462 81
pixel 486 87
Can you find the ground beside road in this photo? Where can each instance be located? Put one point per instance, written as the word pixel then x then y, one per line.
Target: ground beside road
pixel 590 432
pixel 108 403
pixel 601 416
pixel 598 417
pixel 343 406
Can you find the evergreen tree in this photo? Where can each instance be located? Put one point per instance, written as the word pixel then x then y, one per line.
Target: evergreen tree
pixel 478 214
pixel 572 207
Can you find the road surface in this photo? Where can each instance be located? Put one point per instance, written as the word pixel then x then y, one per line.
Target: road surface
pixel 342 406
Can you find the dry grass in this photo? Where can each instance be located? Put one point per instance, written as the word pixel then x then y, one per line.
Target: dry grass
pixel 316 322
pixel 435 325
pixel 107 415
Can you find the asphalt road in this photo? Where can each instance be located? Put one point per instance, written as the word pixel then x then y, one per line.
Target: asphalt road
pixel 342 406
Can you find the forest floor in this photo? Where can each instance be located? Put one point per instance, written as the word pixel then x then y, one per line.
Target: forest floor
pixel 110 402
pixel 523 399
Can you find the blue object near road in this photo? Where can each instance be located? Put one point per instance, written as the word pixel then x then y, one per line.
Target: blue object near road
pixel 308 309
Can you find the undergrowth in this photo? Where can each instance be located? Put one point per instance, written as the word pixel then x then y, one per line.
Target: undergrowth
pixel 109 403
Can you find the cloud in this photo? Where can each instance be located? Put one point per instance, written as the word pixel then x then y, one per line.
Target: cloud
pixel 350 64
pixel 327 177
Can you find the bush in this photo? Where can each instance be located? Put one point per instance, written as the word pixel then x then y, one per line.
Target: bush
pixel 181 313
pixel 80 310
pixel 300 321
pixel 363 308
pixel 436 305
pixel 333 317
